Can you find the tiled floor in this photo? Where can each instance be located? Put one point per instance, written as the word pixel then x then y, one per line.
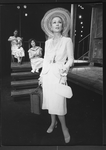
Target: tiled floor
pixel 22 128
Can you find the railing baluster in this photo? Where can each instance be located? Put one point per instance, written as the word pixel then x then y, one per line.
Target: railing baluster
pixel 83 48
pixel 78 50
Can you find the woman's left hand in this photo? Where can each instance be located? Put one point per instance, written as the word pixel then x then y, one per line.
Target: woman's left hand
pixel 40 81
pixel 63 80
pixel 64 70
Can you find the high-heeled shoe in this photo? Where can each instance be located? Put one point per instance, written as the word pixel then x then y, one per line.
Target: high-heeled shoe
pixel 66 136
pixel 67 139
pixel 50 129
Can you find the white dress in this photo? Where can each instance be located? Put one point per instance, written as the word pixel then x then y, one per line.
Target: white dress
pixel 51 74
pixel 16 49
pixel 35 58
pixel 13 44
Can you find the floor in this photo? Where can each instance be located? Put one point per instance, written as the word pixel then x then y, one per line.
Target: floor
pixel 22 128
pixel 26 130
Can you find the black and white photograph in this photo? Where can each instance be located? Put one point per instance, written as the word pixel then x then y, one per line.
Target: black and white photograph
pixel 51 74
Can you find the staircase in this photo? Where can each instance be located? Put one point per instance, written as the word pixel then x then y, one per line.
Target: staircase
pixel 23 82
pixel 83 52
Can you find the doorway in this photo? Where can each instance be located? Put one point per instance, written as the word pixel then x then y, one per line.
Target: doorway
pixel 82 30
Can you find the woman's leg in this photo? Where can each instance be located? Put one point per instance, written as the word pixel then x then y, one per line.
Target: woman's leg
pixel 12 56
pixel 21 59
pixel 53 120
pixel 33 67
pixel 64 128
pixel 18 58
pixel 53 123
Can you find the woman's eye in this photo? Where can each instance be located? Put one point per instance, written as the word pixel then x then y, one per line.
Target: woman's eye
pixel 60 22
pixel 57 22
pixel 54 22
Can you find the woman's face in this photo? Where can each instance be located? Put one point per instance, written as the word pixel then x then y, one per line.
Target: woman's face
pixel 15 33
pixel 33 43
pixel 56 25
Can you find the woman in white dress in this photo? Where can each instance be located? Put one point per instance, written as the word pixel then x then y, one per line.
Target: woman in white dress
pixel 58 58
pixel 35 53
pixel 17 50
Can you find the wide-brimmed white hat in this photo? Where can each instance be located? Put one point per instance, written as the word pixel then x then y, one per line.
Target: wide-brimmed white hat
pixel 46 20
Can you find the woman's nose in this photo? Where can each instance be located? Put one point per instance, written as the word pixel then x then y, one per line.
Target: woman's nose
pixel 57 24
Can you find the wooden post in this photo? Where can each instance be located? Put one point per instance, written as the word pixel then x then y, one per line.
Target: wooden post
pixel 73 23
pixel 20 21
pixel 96 37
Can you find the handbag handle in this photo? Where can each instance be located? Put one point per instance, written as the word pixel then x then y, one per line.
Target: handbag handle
pixel 61 79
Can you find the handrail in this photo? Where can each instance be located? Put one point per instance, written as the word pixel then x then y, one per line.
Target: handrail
pixel 83 55
pixel 84 38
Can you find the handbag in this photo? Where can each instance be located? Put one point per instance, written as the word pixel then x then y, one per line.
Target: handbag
pixel 63 90
pixel 36 99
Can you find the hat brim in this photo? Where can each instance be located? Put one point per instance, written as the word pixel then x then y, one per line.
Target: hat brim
pixel 61 12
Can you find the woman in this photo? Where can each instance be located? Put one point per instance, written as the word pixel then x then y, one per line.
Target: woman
pixel 35 53
pixel 58 59
pixel 17 50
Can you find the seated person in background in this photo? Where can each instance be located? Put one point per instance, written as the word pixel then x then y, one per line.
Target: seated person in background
pixel 20 51
pixel 35 53
pixel 17 50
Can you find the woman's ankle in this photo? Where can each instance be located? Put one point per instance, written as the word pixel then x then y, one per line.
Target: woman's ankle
pixel 51 127
pixel 53 123
pixel 66 132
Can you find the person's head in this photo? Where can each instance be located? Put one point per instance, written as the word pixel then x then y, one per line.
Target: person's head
pixel 15 32
pixel 32 43
pixel 59 16
pixel 57 24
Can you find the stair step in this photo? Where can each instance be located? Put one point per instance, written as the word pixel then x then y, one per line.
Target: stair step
pixel 17 65
pixel 20 85
pixel 21 69
pixel 25 66
pixel 27 82
pixel 23 82
pixel 24 76
pixel 81 62
pixel 85 58
pixel 22 92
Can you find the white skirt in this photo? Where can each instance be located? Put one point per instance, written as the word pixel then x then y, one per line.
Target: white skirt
pixel 55 103
pixel 36 63
pixel 18 52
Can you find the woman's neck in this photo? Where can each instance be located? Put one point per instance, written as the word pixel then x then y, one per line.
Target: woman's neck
pixel 33 46
pixel 57 36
